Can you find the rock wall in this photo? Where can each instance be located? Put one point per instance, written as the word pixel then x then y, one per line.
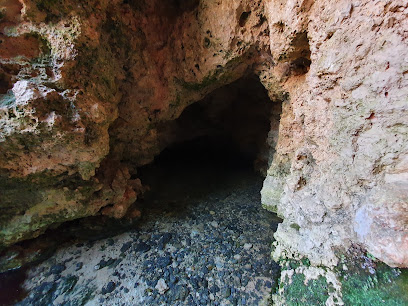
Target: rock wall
pixel 87 90
pixel 340 173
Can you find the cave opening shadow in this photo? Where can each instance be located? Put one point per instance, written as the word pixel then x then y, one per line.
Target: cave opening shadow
pixel 216 143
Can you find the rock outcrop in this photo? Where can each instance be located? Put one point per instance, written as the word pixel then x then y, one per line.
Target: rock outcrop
pixel 89 91
pixel 339 175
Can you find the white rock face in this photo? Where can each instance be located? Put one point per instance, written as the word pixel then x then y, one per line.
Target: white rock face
pixel 344 132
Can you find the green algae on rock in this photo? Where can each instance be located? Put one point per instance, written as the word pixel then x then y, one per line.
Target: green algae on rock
pixel 359 279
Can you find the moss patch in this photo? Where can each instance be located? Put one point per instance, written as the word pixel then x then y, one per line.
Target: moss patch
pixel 314 292
pixel 381 285
pixel 357 280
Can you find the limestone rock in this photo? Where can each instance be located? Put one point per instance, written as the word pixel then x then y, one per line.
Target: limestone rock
pixel 343 137
pixel 90 92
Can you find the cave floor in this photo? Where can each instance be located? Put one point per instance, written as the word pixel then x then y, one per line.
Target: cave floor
pixel 203 240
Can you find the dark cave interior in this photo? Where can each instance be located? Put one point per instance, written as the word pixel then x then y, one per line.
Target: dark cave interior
pixel 236 124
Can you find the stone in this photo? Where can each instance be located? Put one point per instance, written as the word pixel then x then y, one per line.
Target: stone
pixel 161 286
pixel 248 266
pixel 126 246
pixel 163 262
pixel 247 246
pixel 57 269
pixel 181 293
pixel 78 266
pixel 214 224
pixel 142 247
pixel 104 263
pixel 226 292
pixel 165 238
pixel 108 288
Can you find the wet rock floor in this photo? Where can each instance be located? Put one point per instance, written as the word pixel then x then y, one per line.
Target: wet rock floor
pixel 204 239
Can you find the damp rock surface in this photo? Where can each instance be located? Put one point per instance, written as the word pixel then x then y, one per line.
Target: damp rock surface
pixel 205 240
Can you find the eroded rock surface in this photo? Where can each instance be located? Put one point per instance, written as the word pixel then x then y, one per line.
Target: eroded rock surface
pixel 88 89
pixel 338 176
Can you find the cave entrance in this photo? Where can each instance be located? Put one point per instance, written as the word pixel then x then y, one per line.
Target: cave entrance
pixel 232 130
pixel 203 214
pixel 234 125
pixel 203 237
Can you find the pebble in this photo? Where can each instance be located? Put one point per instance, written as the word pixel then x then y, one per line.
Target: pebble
pixel 57 269
pixel 226 292
pixel 161 286
pixel 109 288
pixel 142 247
pixel 180 293
pixel 163 262
pixel 214 224
pixel 78 266
pixel 126 246
pixel 247 246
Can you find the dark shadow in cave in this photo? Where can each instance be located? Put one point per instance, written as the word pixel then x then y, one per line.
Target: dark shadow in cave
pixel 237 120
pixel 230 134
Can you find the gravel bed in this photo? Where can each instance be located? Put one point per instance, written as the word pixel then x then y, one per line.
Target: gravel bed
pixel 194 246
